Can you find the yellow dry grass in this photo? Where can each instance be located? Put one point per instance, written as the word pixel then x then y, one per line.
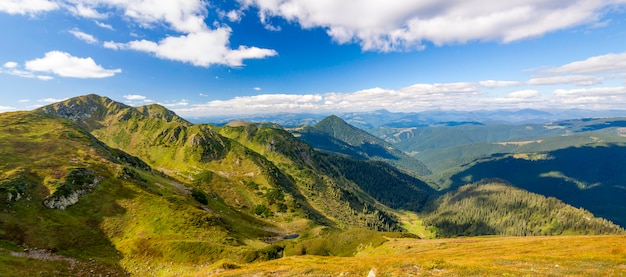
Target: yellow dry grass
pixel 476 256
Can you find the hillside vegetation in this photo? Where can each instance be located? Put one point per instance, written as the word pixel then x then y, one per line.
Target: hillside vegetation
pixel 494 208
pixel 334 135
pixel 80 202
pixel 591 177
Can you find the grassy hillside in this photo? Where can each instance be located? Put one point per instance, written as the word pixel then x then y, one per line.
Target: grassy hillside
pixel 69 199
pixel 332 134
pixel 478 256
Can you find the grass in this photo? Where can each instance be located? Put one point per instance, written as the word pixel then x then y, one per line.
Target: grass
pixel 476 256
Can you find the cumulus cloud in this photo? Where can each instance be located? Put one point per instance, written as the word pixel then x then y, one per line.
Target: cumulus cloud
pixel 499 84
pixel 195 42
pixel 406 24
pixel 84 36
pixel 181 103
pixel 85 11
pixel 66 65
pixel 27 6
pixel 13 68
pixel 7 109
pixel 10 65
pixel 598 64
pixel 580 80
pixel 134 97
pixel 412 98
pixel 50 100
pixel 232 16
pixel 137 99
pixel 523 94
pixel 105 26
pixel 593 98
pixel 200 49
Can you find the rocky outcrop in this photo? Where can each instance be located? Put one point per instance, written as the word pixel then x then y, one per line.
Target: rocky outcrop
pixel 79 182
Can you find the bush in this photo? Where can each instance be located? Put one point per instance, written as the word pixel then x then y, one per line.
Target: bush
pixel 199 196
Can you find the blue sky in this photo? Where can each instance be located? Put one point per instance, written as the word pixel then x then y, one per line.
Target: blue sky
pixel 207 58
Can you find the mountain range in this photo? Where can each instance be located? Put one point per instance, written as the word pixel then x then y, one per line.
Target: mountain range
pixel 92 184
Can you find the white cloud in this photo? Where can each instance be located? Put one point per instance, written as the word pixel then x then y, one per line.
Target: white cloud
pixel 44 77
pixel 405 24
pixel 181 103
pixel 137 99
pixel 599 64
pixel 7 109
pixel 134 97
pixel 85 11
pixel 498 84
pixel 257 88
pixel 50 100
pixel 580 80
pixel 523 94
pixel 24 100
pixel 27 6
pixel 593 98
pixel 83 36
pixel 585 92
pixel 10 65
pixel 233 16
pixel 412 98
pixel 12 68
pixel 66 65
pixel 200 49
pixel 193 40
pixel 105 26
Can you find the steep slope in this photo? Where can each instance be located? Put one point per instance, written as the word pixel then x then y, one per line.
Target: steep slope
pixel 74 205
pixel 334 135
pixel 335 185
pixel 495 208
pixel 590 177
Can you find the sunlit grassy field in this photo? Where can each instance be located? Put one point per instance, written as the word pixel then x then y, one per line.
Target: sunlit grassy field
pixel 475 256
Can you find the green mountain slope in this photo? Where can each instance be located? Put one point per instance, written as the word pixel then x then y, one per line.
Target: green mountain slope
pixel 71 200
pixel 591 177
pixel 330 182
pixel 494 208
pixel 334 135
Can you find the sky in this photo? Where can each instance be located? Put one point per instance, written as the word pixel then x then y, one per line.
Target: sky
pixel 203 58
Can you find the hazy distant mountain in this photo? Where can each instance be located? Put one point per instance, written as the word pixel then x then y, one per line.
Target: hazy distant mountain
pixel 384 118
